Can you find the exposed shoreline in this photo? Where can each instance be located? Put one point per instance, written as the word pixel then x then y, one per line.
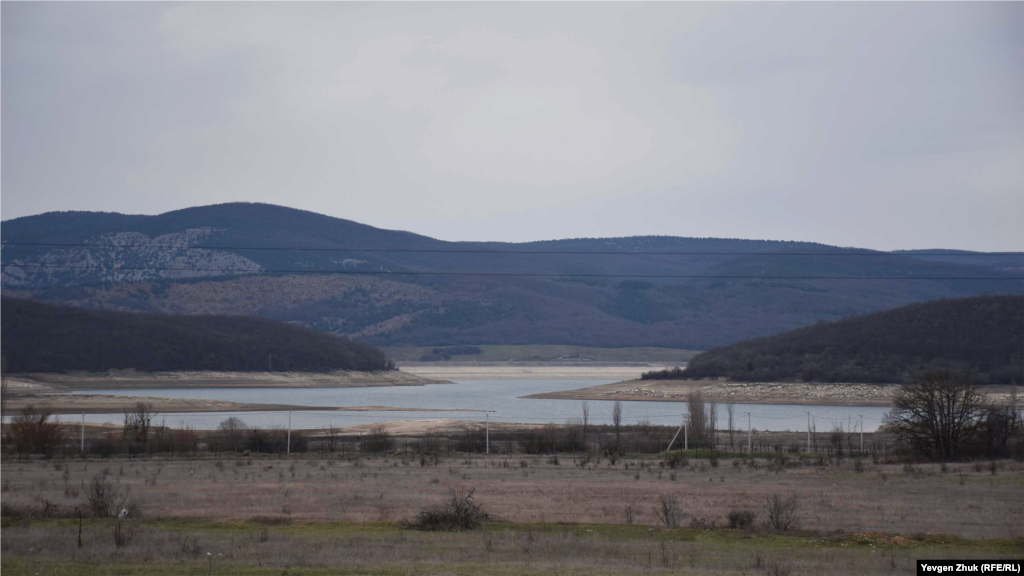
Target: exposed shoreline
pixel 524 371
pixel 52 391
pixel 815 394
pixel 61 403
pixel 131 379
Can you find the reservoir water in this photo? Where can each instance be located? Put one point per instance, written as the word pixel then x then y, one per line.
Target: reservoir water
pixel 499 399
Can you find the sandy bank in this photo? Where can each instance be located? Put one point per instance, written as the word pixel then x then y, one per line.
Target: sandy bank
pixel 507 371
pixel 129 379
pixel 106 404
pixel 831 394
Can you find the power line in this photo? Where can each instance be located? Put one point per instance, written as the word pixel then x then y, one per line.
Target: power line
pixel 501 274
pixel 482 251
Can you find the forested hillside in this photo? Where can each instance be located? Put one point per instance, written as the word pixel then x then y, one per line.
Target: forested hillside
pixel 352 280
pixel 46 338
pixel 982 336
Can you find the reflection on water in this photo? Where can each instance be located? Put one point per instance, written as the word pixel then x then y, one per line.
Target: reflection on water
pixel 499 398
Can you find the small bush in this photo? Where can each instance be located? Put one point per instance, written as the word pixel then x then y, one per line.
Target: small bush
pixel 702 523
pixel 378 440
pixel 676 460
pixel 741 519
pixel 669 511
pixel 459 512
pixel 106 499
pixel 781 512
pixel 778 567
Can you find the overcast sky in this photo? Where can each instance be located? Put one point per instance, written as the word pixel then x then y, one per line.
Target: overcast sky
pixel 874 125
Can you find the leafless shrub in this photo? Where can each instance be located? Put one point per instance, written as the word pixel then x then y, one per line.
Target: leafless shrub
pixel 106 498
pixel 234 430
pixel 32 430
pixel 459 512
pixel 138 420
pixel 781 511
pixel 190 546
pixel 378 440
pixel 741 519
pixel 629 514
pixel 669 511
pixel 124 532
pixel 778 567
pixel 702 523
pixel 676 460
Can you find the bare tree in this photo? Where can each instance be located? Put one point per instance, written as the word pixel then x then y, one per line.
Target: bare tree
pixel 1003 427
pixel 936 413
pixel 586 419
pixel 137 421
pixel 32 429
pixel 698 417
pixel 617 422
pixel 835 438
pixel 3 387
pixel 669 511
pixel 332 438
pixel 730 409
pixel 712 434
pixel 781 511
pixel 379 439
pixel 234 430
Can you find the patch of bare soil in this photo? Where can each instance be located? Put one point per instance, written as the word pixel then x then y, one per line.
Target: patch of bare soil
pixel 876 497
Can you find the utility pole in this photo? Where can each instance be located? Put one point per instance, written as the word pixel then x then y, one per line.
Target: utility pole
pixel 750 447
pixel 861 433
pixel 808 432
pixel 681 428
pixel 83 433
pixel 686 435
pixel 289 432
pixel 488 434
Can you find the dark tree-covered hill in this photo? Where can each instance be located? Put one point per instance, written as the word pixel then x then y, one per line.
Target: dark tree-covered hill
pixel 226 259
pixel 41 337
pixel 983 336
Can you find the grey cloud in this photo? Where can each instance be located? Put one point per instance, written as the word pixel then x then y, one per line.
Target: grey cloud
pixel 877 125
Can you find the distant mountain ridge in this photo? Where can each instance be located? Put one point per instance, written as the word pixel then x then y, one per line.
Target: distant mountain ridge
pixel 435 310
pixel 41 337
pixel 982 336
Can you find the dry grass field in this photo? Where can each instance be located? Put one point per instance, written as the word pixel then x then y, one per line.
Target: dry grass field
pixel 343 516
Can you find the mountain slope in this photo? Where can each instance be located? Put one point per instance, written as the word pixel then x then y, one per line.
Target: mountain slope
pixel 982 335
pixel 693 313
pixel 46 338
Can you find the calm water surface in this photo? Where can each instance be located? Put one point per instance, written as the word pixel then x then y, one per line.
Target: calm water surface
pixel 498 399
